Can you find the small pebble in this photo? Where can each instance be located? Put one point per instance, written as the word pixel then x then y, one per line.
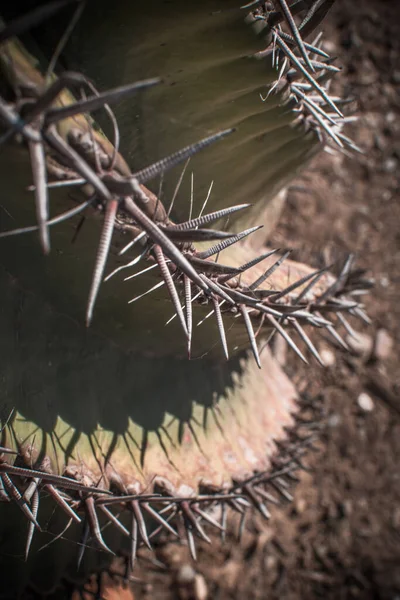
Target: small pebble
pixel 334 420
pixel 390 165
pixel 200 588
pixel 328 357
pixel 384 281
pixel 383 345
pixel 185 575
pixel 365 402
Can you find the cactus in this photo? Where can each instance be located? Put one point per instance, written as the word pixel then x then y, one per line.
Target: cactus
pixel 110 435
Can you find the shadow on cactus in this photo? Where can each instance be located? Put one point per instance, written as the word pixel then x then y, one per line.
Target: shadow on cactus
pixel 111 437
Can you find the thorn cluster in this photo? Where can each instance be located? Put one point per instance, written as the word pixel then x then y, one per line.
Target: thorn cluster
pixel 142 515
pixel 128 206
pixel 305 70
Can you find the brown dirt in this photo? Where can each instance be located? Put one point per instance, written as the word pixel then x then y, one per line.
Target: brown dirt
pixel 340 538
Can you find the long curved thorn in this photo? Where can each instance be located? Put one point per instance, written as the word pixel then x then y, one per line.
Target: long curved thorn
pixel 4 450
pixel 260 506
pixel 226 243
pixel 31 489
pixel 132 263
pixel 312 283
pixel 340 282
pixel 294 60
pixel 241 298
pixel 250 264
pixel 140 521
pixel 132 242
pixel 113 519
pixel 94 525
pixel 63 40
pixel 38 162
pixel 54 115
pixel 160 238
pixel 12 118
pixel 191 195
pixel 350 143
pixel 284 8
pixel 210 217
pixel 260 491
pixel 310 103
pixel 324 66
pixel 83 543
pixel 224 517
pixel 328 130
pixel 269 271
pixel 175 159
pixel 352 333
pixel 128 498
pixel 140 272
pixel 57 143
pixel 102 255
pixel 167 277
pixel 66 79
pixel 207 266
pixel 64 482
pixel 334 306
pixel 62 503
pixel 307 341
pixel 220 324
pixel 31 526
pixel 152 289
pixel 177 187
pixel 55 221
pixel 190 539
pixel 190 518
pixel 218 289
pixel 242 523
pixel 330 329
pixel 134 542
pixel 360 314
pixel 267 310
pixel 175 314
pixel 31 19
pixel 189 313
pixel 310 47
pixel 16 496
pixel 250 333
pixel 206 200
pixel 286 337
pixel 157 517
pixel 314 16
pixel 282 491
pixel 299 283
pixel 195 235
pixel 207 518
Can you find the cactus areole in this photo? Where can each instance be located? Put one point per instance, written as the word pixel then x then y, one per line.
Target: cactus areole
pixel 142 148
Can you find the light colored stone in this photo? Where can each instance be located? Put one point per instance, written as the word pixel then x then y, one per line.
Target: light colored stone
pixel 186 575
pixel 328 357
pixel 365 402
pixel 383 345
pixel 200 588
